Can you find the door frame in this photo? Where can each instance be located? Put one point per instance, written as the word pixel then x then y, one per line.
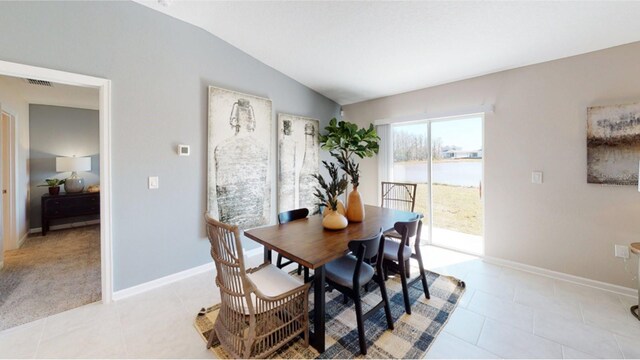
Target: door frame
pixel 11 228
pixel 104 87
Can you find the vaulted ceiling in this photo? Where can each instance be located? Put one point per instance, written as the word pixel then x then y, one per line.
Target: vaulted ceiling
pixel 356 51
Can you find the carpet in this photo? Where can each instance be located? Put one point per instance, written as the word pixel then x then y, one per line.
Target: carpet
pixel 50 274
pixel 412 335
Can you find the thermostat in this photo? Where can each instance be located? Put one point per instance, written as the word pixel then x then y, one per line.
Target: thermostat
pixel 183 150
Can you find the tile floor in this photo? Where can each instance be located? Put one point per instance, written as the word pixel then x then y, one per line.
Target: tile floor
pixel 504 313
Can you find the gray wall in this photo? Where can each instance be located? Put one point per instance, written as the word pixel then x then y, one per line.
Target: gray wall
pixel 60 131
pixel 160 68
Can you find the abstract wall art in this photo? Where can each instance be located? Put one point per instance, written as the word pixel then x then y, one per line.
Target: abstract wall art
pixel 613 144
pixel 298 150
pixel 239 143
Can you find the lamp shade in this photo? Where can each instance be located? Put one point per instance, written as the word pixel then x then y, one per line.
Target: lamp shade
pixel 64 164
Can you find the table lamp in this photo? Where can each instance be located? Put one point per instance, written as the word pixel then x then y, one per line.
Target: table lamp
pixel 73 184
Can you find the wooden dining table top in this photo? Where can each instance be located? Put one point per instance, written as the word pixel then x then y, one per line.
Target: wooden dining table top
pixel 306 242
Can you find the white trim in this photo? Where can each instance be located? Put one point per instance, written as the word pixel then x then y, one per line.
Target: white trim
pixel 154 284
pixel 65 226
pixel 617 289
pixel 441 115
pixel 22 239
pixel 104 86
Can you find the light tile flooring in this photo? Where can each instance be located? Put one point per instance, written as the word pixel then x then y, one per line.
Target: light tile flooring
pixel 504 313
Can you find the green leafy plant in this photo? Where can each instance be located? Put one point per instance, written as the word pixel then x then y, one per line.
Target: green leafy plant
pixel 327 193
pixel 344 139
pixel 53 182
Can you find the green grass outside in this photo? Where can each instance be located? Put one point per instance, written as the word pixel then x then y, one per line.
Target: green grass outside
pixel 455 208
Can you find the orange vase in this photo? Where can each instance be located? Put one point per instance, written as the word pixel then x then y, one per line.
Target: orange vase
pixel 355 207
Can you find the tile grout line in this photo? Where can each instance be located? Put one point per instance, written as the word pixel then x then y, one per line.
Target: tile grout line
pixel 44 324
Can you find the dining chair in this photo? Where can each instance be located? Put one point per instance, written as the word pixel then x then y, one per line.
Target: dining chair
pixel 283 218
pixel 349 273
pixel 262 308
pixel 399 196
pixel 399 252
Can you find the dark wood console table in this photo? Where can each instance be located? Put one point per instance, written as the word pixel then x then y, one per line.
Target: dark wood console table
pixel 66 205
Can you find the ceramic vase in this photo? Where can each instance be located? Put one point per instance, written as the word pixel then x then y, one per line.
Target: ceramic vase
pixel 341 209
pixel 334 221
pixel 355 207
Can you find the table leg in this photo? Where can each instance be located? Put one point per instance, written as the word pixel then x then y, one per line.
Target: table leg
pixel 267 254
pixel 318 311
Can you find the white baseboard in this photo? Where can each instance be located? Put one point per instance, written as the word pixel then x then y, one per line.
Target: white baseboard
pixel 154 284
pixel 617 289
pixel 65 226
pixel 22 239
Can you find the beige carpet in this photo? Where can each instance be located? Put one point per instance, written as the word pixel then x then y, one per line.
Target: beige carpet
pixel 411 338
pixel 50 274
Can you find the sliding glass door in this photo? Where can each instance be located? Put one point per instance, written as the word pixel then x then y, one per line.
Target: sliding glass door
pixel 445 159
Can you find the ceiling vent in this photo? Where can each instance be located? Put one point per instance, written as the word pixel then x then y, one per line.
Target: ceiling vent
pixel 39 82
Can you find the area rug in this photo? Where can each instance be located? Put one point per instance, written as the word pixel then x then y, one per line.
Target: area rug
pixel 412 335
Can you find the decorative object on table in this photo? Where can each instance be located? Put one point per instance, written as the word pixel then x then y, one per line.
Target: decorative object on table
pixel 613 144
pixel 327 195
pixel 417 336
pixel 344 140
pixel 74 183
pixel 635 248
pixel 298 149
pixel 93 188
pixel 239 162
pixel 262 308
pixel 54 185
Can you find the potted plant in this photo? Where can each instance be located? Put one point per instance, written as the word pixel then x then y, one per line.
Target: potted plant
pixel 327 195
pixel 54 185
pixel 343 140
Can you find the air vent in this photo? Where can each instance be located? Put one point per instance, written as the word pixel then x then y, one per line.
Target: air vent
pixel 39 82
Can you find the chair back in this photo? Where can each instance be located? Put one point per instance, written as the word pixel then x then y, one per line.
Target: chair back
pixel 409 230
pixel 292 215
pixel 399 196
pixel 226 251
pixel 367 249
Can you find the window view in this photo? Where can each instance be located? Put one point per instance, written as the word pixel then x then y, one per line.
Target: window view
pixel 455 152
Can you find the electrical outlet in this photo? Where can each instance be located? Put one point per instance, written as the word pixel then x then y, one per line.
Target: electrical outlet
pixel 622 251
pixel 153 182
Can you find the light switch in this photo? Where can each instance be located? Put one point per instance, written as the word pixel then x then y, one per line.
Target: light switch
pixel 153 182
pixel 536 177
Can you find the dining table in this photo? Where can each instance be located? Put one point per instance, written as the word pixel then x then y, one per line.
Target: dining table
pixel 306 242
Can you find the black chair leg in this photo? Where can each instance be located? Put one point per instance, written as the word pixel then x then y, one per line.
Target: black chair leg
pixel 407 268
pixel 306 275
pixel 279 262
pixel 405 288
pixel 423 276
pixel 360 321
pixel 387 308
pixel 299 270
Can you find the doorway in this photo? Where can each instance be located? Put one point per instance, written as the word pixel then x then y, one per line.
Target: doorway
pixel 103 86
pixel 445 158
pixel 7 149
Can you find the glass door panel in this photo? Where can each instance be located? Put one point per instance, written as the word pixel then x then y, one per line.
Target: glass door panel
pixel 456 164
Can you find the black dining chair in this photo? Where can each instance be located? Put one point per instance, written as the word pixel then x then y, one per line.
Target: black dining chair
pixel 349 273
pixel 399 252
pixel 283 218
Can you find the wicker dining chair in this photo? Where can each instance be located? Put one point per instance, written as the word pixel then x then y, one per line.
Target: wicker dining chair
pixel 262 308
pixel 399 196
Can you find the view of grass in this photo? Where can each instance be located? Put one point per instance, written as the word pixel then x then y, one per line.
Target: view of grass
pixel 455 208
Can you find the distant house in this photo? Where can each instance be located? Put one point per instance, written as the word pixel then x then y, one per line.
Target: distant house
pixel 462 154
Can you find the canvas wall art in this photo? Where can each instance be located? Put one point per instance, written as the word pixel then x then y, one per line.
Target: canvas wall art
pixel 298 151
pixel 613 144
pixel 239 143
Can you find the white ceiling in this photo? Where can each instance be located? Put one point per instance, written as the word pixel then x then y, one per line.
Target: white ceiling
pixel 355 51
pixel 57 95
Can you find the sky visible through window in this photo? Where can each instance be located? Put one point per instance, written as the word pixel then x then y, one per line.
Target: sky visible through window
pixel 464 133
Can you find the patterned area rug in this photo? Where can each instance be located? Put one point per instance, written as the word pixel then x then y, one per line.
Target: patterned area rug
pixel 412 335
pixel 50 274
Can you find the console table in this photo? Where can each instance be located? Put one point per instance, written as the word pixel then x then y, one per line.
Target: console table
pixel 65 205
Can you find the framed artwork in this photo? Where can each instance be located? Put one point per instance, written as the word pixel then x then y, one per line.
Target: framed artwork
pixel 239 143
pixel 298 151
pixel 613 144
